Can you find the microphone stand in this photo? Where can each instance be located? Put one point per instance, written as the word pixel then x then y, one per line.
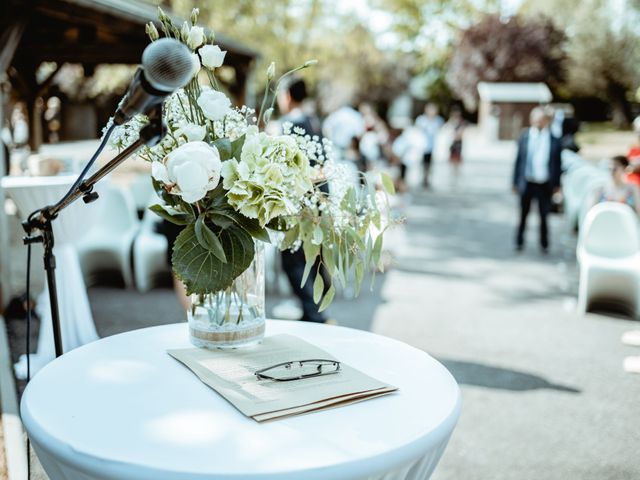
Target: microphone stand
pixel 41 220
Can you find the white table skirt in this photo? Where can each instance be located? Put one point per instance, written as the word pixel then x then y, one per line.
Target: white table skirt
pixel 76 321
pixel 121 408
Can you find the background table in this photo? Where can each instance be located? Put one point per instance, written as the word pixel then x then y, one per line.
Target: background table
pixel 121 408
pixel 76 321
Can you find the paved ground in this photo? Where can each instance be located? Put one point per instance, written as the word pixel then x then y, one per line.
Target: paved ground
pixel 3 460
pixel 544 394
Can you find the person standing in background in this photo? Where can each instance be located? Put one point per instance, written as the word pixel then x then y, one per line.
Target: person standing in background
pixel 619 189
pixel 429 124
pixel 537 173
pixel 341 126
pixel 290 102
pixel 456 125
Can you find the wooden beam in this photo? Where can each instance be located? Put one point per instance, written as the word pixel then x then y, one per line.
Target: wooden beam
pixel 92 54
pixel 9 41
pixel 5 267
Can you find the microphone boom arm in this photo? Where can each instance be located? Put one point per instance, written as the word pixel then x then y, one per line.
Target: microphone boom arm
pixel 42 219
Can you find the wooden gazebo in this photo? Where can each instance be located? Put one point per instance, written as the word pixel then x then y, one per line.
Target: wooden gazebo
pixel 86 32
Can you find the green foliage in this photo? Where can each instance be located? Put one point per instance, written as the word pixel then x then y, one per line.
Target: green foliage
pixel 288 33
pixel 335 231
pixel 602 48
pixel 200 269
pixel 515 50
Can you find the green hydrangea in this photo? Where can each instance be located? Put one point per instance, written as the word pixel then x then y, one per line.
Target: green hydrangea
pixel 270 178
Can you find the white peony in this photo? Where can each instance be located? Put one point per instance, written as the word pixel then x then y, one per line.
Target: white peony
pixel 191 170
pixel 212 56
pixel 196 37
pixel 193 132
pixel 196 64
pixel 215 105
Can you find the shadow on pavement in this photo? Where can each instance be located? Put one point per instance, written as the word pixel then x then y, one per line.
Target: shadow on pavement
pixel 479 375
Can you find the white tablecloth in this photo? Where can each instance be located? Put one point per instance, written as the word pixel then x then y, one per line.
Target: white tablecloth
pixel 121 408
pixel 76 321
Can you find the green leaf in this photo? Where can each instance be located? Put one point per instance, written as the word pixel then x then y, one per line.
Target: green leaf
pixel 318 288
pixel 200 270
pixel 222 221
pixel 355 237
pixel 327 259
pixel 359 276
pixel 252 226
pixel 290 237
pixel 377 250
pixel 318 235
pixel 328 298
pixel 349 199
pixel 208 239
pixel 163 194
pixel 236 147
pixel 171 215
pixel 311 251
pixel 224 148
pixel 305 275
pixel 387 183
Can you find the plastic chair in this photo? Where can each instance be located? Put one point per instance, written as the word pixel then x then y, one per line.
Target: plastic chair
pixel 576 187
pixel 609 256
pixel 107 245
pixel 149 252
pixel 141 189
pixel 590 196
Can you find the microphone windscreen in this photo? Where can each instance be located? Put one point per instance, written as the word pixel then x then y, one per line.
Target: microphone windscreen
pixel 167 64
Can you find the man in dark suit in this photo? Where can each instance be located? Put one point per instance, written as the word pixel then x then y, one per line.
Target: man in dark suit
pixel 290 102
pixel 537 173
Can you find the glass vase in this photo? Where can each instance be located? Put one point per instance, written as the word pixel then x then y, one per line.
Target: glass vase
pixel 234 317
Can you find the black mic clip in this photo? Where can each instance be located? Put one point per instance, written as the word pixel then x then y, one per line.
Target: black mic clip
pixel 153 131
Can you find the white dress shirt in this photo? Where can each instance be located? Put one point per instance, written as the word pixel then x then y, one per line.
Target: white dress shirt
pixel 538 154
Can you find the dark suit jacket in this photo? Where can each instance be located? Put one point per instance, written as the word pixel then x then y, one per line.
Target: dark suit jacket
pixel 519 172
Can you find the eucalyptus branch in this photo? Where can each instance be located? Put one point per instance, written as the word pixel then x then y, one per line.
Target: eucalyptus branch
pixel 306 64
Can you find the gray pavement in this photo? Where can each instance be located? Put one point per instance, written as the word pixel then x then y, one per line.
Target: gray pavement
pixel 544 394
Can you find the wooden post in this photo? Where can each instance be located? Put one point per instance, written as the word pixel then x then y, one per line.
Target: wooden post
pixel 5 267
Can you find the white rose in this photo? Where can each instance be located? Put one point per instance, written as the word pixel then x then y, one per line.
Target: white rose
pixel 192 170
pixel 196 64
pixel 215 105
pixel 196 37
pixel 193 132
pixel 212 56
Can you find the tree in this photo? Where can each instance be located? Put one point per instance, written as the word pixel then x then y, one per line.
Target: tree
pixel 428 30
pixel 512 50
pixel 602 49
pixel 351 67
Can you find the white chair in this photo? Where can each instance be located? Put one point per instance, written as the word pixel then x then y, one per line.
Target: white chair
pixel 570 160
pixel 609 256
pixel 141 189
pixel 149 252
pixel 108 244
pixel 576 187
pixel 591 194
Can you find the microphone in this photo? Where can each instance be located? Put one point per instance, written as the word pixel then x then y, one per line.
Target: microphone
pixel 167 65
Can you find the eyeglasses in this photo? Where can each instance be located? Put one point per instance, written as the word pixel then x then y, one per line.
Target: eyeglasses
pixel 298 369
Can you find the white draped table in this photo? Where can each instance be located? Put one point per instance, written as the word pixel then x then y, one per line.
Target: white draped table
pixel 76 321
pixel 121 408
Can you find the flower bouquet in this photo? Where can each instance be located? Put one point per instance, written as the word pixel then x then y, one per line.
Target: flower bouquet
pixel 232 187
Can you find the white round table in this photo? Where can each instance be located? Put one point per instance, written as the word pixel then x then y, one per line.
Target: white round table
pixel 122 408
pixel 76 322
